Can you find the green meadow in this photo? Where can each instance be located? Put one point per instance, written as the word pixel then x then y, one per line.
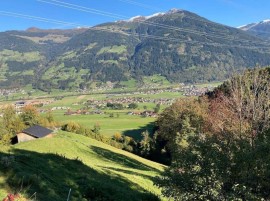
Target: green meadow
pixel 129 125
pixel 91 169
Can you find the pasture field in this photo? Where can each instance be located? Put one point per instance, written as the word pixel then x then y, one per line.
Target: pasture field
pixel 86 166
pixel 129 125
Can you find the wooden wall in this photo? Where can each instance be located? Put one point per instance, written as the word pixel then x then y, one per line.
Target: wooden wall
pixel 22 137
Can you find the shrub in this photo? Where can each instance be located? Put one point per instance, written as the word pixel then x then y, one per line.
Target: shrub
pixel 118 137
pixel 71 127
pixel 30 115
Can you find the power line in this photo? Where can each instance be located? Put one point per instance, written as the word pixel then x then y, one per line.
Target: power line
pixel 109 14
pixel 41 19
pixel 120 17
pixel 154 8
pixel 158 9
pixel 81 8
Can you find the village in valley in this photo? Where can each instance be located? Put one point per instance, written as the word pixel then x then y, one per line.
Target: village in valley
pixel 119 110
pixel 148 95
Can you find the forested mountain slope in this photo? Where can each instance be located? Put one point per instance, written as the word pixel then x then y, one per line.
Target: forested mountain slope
pixel 179 45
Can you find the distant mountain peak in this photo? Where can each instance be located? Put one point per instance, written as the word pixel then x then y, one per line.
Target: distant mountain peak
pixel 251 25
pixel 155 15
pixel 266 21
pixel 136 18
pixel 142 18
pixel 260 29
pixel 247 26
pixel 174 10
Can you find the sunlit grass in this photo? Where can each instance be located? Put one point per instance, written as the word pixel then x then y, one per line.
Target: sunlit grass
pixel 123 175
pixel 109 125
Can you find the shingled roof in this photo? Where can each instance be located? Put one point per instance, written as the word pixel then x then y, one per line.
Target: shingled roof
pixel 37 131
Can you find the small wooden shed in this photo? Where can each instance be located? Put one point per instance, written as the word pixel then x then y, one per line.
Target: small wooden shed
pixel 33 133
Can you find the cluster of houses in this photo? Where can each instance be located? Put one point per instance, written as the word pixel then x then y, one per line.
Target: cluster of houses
pixel 195 91
pixel 158 91
pixel 60 108
pixel 128 100
pixel 82 112
pixel 186 90
pixel 7 92
pixel 145 89
pixel 21 104
pixel 146 113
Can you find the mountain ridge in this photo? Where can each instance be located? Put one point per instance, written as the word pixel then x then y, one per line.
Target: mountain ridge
pixel 259 29
pixel 179 45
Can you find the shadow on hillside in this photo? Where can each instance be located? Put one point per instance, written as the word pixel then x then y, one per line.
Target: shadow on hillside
pixel 129 172
pixel 121 159
pixel 51 176
pixel 137 133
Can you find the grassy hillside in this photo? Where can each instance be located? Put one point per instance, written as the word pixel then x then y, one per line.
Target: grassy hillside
pixel 93 170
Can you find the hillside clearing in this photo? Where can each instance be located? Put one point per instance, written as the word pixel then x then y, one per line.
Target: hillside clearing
pixel 90 168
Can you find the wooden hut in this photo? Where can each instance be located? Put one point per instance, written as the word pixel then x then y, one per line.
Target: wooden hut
pixel 34 132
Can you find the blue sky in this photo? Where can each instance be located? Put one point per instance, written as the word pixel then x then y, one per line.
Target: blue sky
pixel 230 12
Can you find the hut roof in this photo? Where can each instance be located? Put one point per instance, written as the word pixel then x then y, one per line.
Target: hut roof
pixel 37 131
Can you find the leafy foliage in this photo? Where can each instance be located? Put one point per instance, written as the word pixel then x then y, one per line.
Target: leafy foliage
pixel 133 106
pixel 10 125
pixel 13 123
pixel 218 142
pixel 30 115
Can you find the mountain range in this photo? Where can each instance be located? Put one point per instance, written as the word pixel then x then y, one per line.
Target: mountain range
pixel 259 29
pixel 178 44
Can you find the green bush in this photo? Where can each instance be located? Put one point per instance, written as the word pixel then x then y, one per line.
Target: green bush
pixel 71 127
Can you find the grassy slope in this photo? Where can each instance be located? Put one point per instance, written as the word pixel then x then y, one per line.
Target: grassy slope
pixel 53 166
pixel 2 190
